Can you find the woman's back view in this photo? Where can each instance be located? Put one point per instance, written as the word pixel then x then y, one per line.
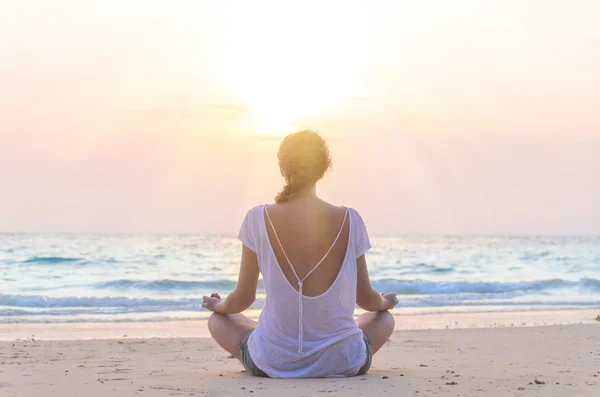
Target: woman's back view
pixel 310 333
pixel 311 255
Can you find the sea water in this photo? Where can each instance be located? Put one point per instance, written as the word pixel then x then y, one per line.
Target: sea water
pixel 115 278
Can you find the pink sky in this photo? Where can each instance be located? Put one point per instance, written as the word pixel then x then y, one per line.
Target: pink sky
pixel 467 118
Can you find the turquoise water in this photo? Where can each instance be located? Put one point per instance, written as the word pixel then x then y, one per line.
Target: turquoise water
pixel 86 278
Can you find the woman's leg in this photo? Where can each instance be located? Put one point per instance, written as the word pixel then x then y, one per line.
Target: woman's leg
pixel 230 330
pixel 378 327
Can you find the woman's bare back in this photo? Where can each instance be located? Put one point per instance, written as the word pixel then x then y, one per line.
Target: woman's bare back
pixel 307 228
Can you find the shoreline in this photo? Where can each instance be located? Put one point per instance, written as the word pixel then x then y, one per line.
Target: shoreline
pixel 198 328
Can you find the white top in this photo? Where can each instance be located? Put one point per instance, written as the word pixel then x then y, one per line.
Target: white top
pixel 303 336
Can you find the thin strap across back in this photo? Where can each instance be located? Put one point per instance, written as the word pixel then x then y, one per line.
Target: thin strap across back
pixel 301 281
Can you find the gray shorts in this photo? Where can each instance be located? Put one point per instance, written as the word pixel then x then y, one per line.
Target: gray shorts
pixel 253 370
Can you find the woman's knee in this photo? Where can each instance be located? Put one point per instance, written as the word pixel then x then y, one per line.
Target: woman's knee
pixel 386 320
pixel 214 322
pixel 389 318
pixel 391 321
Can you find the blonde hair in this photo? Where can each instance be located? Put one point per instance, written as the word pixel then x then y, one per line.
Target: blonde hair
pixel 303 159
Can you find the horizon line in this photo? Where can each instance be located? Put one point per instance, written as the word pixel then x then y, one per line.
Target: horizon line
pixel 373 235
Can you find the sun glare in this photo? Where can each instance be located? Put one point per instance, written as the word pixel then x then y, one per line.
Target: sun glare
pixel 285 75
pixel 281 94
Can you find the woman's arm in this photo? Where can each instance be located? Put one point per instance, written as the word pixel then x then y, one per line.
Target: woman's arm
pixel 244 294
pixel 367 297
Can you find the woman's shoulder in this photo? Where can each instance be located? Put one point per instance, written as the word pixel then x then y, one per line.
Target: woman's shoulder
pixel 255 211
pixel 353 215
pixel 339 210
pixel 352 212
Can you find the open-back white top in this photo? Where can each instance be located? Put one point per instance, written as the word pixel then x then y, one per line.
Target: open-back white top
pixel 303 336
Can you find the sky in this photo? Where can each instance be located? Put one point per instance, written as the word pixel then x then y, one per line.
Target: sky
pixel 454 118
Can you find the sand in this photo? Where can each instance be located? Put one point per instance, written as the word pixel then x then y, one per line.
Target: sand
pixel 481 362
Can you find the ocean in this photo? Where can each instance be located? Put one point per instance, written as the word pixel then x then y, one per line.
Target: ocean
pixel 71 278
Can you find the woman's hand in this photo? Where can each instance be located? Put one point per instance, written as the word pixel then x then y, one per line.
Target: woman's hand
pixel 210 302
pixel 389 301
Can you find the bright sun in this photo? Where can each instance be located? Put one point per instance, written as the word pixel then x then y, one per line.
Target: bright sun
pixel 285 75
pixel 281 94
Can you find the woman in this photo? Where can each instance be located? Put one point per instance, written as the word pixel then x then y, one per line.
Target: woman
pixel 311 256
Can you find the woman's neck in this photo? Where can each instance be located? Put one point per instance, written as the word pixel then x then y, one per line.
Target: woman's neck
pixel 309 192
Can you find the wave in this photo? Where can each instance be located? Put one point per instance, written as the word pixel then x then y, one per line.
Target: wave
pixel 169 285
pixel 51 259
pixel 426 292
pixel 402 287
pixel 535 255
pixel 91 309
pixel 37 305
pixel 75 301
pixel 426 268
pixel 421 287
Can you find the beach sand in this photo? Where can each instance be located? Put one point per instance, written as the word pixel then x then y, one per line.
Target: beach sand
pixel 501 361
